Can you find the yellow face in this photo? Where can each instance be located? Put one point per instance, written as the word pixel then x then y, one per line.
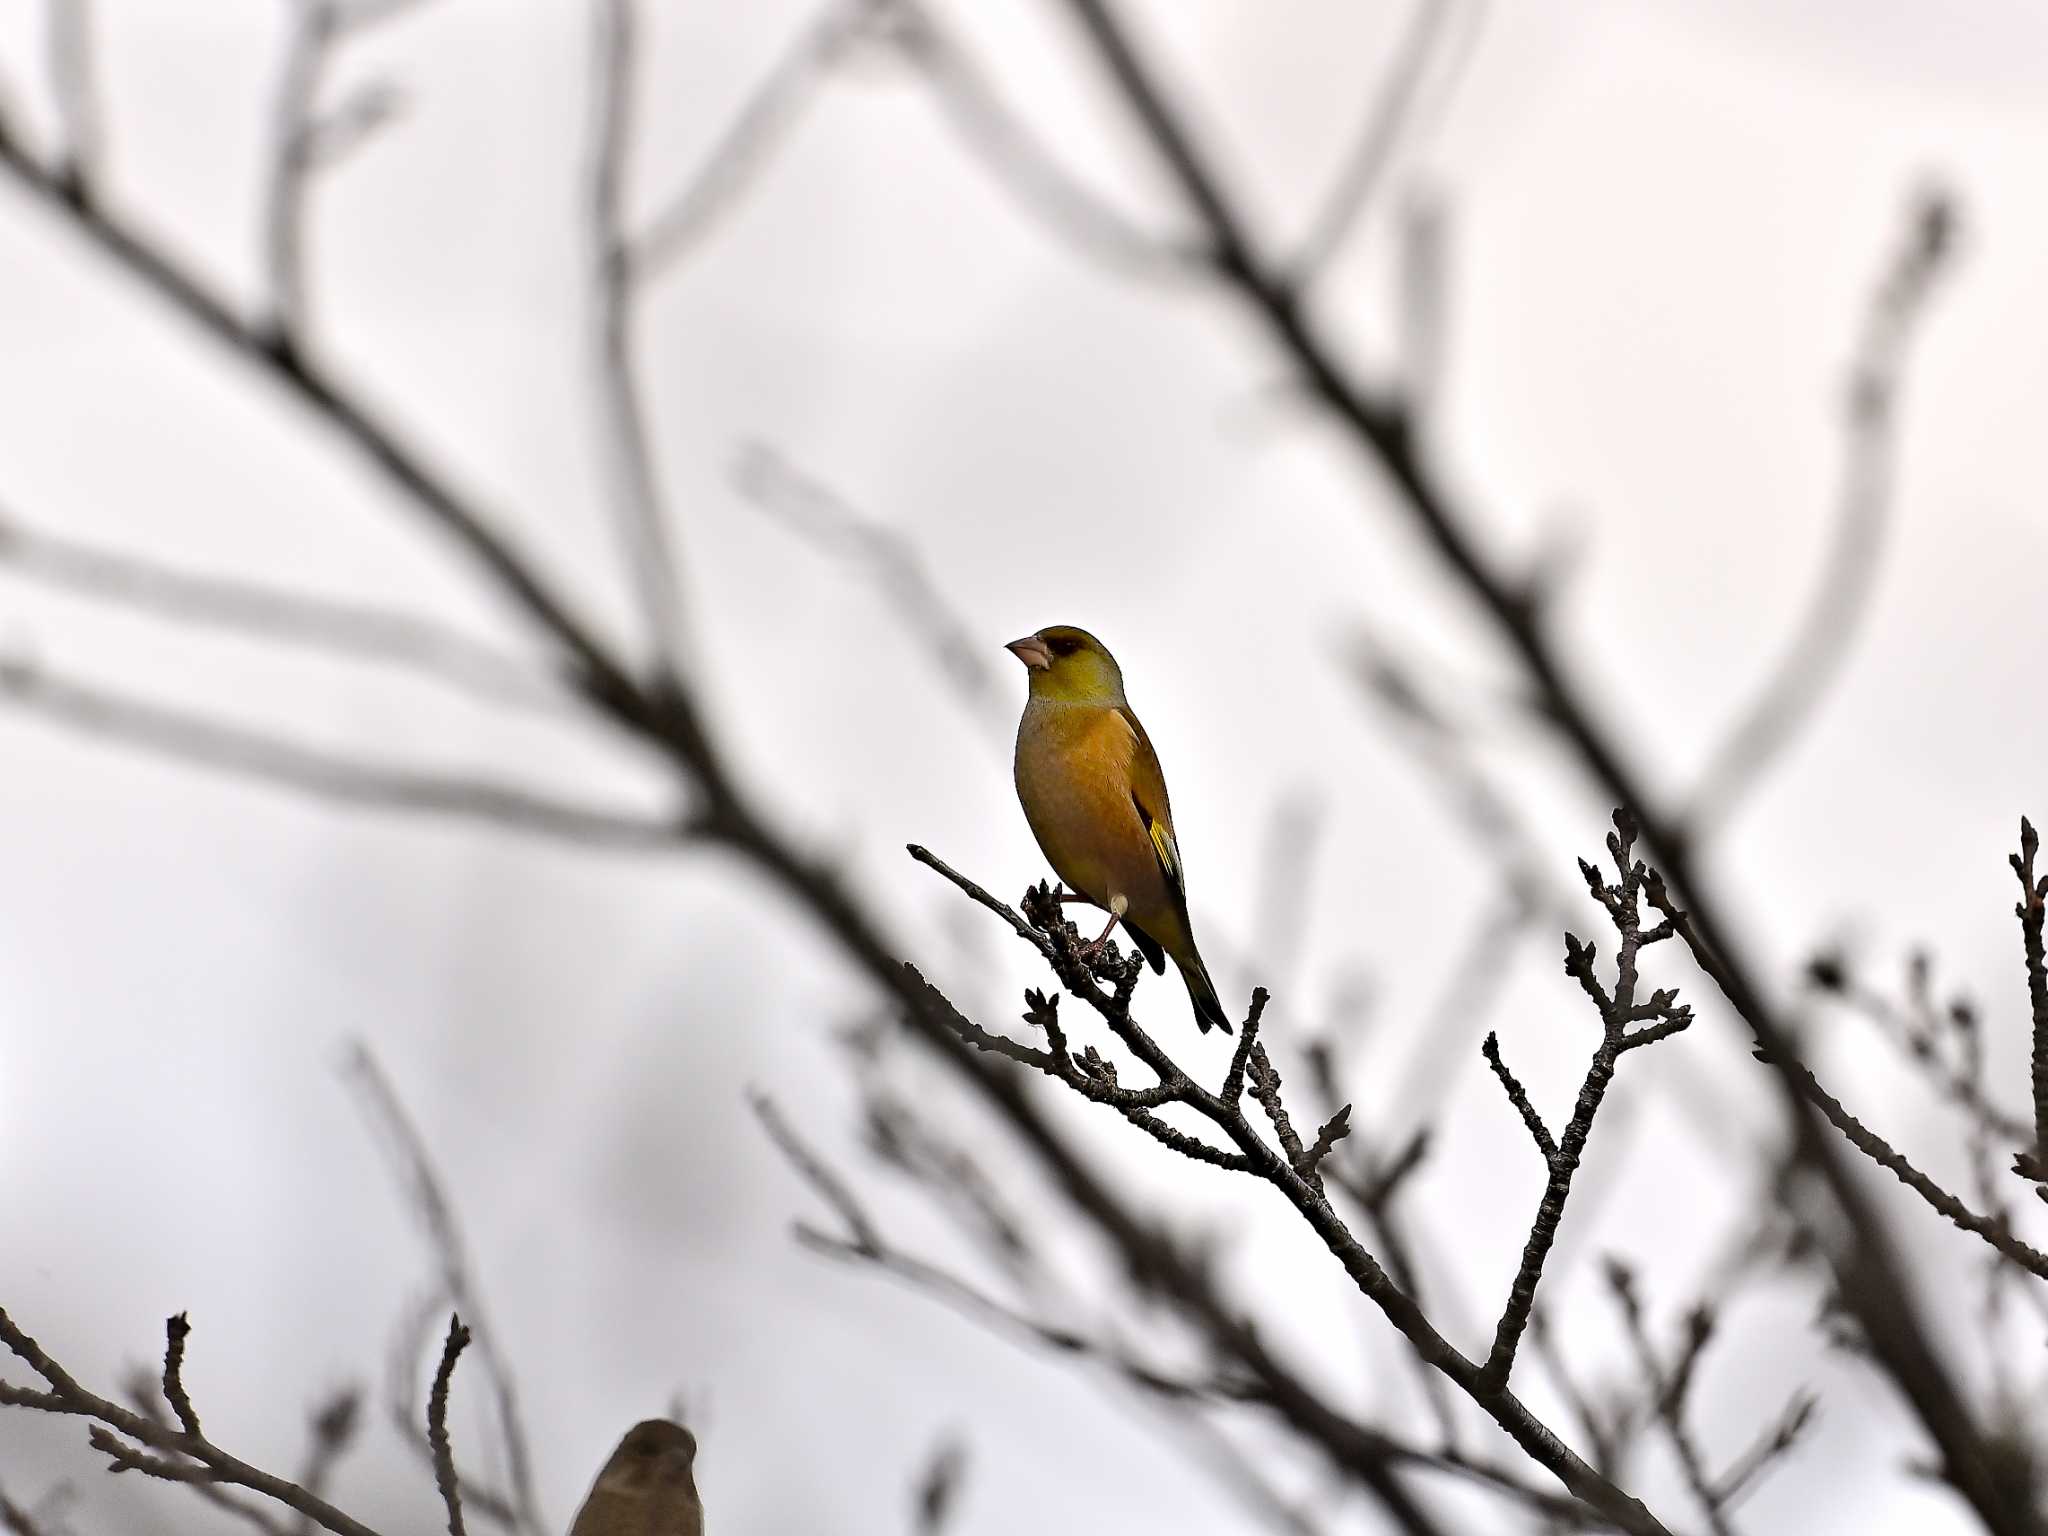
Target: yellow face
pixel 1069 666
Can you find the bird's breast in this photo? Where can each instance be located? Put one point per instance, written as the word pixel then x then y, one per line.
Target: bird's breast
pixel 1074 780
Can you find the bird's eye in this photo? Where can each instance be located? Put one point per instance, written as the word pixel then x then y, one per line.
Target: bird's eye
pixel 1064 645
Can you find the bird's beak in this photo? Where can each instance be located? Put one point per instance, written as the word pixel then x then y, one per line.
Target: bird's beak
pixel 1031 651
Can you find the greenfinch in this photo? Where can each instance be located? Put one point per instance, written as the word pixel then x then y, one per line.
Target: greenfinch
pixel 1096 801
pixel 648 1488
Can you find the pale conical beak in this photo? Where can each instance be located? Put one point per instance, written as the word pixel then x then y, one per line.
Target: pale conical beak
pixel 1031 651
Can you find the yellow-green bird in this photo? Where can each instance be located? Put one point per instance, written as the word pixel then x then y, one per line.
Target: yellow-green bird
pixel 648 1488
pixel 1096 801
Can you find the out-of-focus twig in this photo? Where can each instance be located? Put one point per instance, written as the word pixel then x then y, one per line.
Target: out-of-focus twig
pixel 305 137
pixel 881 555
pixel 1667 1392
pixel 1015 155
pixel 752 136
pixel 1391 106
pixel 647 537
pixel 1816 653
pixel 188 736
pixel 355 631
pixel 938 1488
pixel 74 85
pixel 396 1133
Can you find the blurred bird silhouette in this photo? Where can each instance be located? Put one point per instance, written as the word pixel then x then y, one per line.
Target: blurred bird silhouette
pixel 1096 800
pixel 648 1488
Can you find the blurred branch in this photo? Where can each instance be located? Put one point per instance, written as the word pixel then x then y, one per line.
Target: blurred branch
pixel 425 1193
pixel 1668 1390
pixel 1868 1264
pixel 885 557
pixel 1015 156
pixel 305 139
pixel 1390 108
pixel 74 85
pixel 742 151
pixel 647 538
pixel 352 631
pixel 1290 1167
pixel 938 1489
pixel 1814 658
pixel 183 1454
pixel 200 739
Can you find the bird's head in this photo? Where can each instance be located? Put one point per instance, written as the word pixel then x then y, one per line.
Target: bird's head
pixel 1069 666
pixel 656 1454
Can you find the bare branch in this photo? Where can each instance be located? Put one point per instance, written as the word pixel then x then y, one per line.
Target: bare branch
pixel 2032 911
pixel 1868 1266
pixel 1519 1097
pixel 1858 1135
pixel 218 744
pixel 1283 1167
pixel 1815 655
pixel 1656 1018
pixel 181 1454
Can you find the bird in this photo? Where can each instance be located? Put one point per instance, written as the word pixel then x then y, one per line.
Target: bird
pixel 1094 795
pixel 648 1488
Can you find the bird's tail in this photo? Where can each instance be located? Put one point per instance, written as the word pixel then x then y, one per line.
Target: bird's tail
pixel 1202 993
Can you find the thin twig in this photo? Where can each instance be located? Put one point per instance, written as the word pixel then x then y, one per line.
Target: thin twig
pixel 74 84
pixel 1016 156
pixel 1391 108
pixel 751 138
pixel 647 537
pixel 1625 1025
pixel 1668 1396
pixel 437 1425
pixel 1818 649
pixel 2032 911
pixel 366 632
pixel 401 1139
pixel 882 555
pixel 205 741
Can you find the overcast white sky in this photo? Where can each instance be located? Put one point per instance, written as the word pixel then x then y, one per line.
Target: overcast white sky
pixel 1666 219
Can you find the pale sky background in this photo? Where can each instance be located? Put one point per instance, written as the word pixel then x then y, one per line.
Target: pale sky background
pixel 1666 219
